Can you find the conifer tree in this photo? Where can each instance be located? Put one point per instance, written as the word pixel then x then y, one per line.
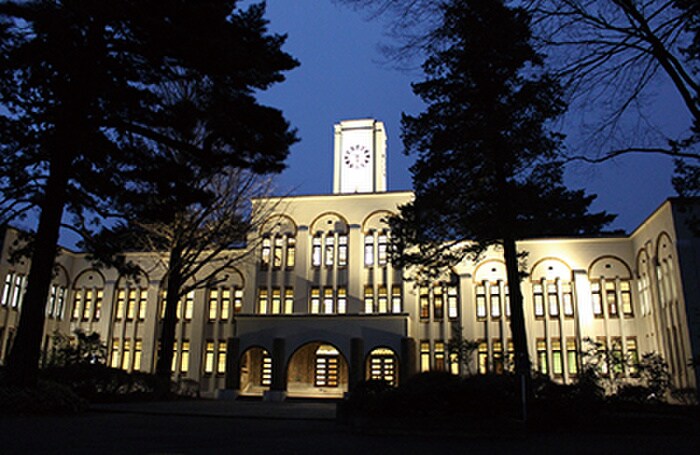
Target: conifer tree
pixel 82 108
pixel 487 172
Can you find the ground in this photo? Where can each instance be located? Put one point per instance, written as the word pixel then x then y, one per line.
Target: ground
pixel 285 428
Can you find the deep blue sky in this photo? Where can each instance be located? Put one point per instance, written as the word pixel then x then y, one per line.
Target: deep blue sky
pixel 342 76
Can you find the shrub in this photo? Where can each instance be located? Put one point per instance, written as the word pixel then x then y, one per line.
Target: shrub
pixel 46 398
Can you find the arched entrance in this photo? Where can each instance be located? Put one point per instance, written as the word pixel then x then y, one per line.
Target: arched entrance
pixel 256 371
pixel 317 370
pixel 383 365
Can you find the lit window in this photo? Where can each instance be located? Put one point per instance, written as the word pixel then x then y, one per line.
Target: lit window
pixel 567 297
pixel 237 300
pixel 369 249
pixel 481 301
pixel 506 297
pixel 626 298
pixel 369 299
pixel 611 298
pixel 495 300
pixel 510 356
pixel 382 256
pixel 542 356
pixel 126 357
pixel 396 300
pixel 483 358
pixel 538 299
pixel 597 299
pixel 330 249
pixel 262 301
pixel 7 289
pixel 17 294
pixel 221 358
pixel 115 354
pixel 315 300
pixel 87 304
pixel 424 356
pixel 439 356
pixel 131 304
pixel 266 370
pixel 52 301
pixel 553 299
pixel 173 365
pixel 143 304
pixel 342 250
pixel 424 302
pixel 452 303
pixel 185 356
pixel 277 255
pixel 77 299
pixel 438 303
pixel 61 302
pixel 209 358
pixel 225 304
pixel 557 366
pixel 316 251
pixel 382 300
pixel 617 360
pixel 265 253
pixel 276 301
pixel 633 355
pixel 138 349
pixel 189 305
pixel 571 356
pixel 288 301
pixel 213 303
pixel 328 300
pixel 342 300
pixel 291 252
pixel 99 296
pixel 497 352
pixel 121 299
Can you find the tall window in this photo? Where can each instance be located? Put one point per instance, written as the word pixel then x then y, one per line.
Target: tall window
pixel 596 297
pixel 221 358
pixel 342 250
pixel 369 299
pixel 121 301
pixel 626 298
pixel 276 301
pixel 328 300
pixel 369 249
pixel 87 304
pixel 315 300
pixel 632 355
pixel 138 349
pixel 438 303
pixel 481 301
pixel 189 306
pixel 262 301
pixel 553 299
pixel 557 365
pixel 330 249
pixel 143 304
pixel 77 303
pixel 213 303
pixel 7 289
pixel 495 300
pixel 538 299
pixel 382 299
pixel 17 294
pixel 571 356
pixel 265 253
pixel 440 356
pixel 482 358
pixel 114 361
pixel 126 357
pixel 382 253
pixel 291 252
pixel 611 298
pixel 316 251
pixel 424 302
pixel 542 356
pixel 277 253
pixel 237 300
pixel 342 300
pixel 396 300
pixel 424 356
pixel 209 357
pixel 567 297
pixel 288 300
pixel 185 363
pixel 225 304
pixel 452 302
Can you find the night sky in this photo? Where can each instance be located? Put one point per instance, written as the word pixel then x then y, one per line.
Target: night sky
pixel 343 75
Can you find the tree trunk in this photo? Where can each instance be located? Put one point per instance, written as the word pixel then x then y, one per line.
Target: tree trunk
pixel 23 360
pixel 167 336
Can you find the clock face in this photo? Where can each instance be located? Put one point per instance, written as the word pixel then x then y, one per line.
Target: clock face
pixel 356 157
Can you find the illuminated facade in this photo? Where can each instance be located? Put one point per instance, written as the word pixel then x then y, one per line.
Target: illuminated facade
pixel 320 307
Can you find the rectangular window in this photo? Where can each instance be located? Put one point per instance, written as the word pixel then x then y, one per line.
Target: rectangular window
pixel 369 249
pixel 225 304
pixel 633 356
pixel 553 299
pixel 328 300
pixel 497 353
pixel 396 300
pixel 189 306
pixel 495 300
pixel 265 253
pixel 288 301
pixel 121 300
pixel 626 298
pixel 382 252
pixel 221 358
pixel 277 254
pixel 52 301
pixel 7 289
pixel 237 300
pixel 617 360
pixel 185 356
pixel 266 371
pixel 316 251
pixel 542 356
pixel 510 356
pixel 452 303
pixel 424 356
pixel 262 301
pixel 99 296
pixel 438 303
pixel 276 301
pixel 571 356
pixel 481 301
pixel 557 365
pixel 138 349
pixel 173 365
pixel 538 299
pixel 439 355
pixel 61 302
pixel 17 294
pixel 87 304
pixel 382 299
pixel 126 357
pixel 131 304
pixel 342 250
pixel 291 252
pixel 330 249
pixel 115 354
pixel 597 299
pixel 611 298
pixel 342 300
pixel 567 297
pixel 209 358
pixel 483 358
pixel 213 304
pixel 77 299
pixel 506 298
pixel 143 304
pixel 315 300
pixel 424 302
pixel 369 299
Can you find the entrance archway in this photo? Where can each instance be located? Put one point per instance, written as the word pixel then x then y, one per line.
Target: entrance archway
pixel 256 371
pixel 383 365
pixel 317 370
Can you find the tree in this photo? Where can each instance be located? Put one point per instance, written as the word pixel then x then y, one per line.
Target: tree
pixel 488 169
pixel 80 86
pixel 462 349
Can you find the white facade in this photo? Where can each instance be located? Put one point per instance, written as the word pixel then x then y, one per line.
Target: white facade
pixel 319 306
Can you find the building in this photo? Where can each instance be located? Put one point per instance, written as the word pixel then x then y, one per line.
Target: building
pixel 321 307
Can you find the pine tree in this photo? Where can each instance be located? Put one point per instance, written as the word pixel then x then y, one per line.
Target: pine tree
pixel 487 171
pixel 80 87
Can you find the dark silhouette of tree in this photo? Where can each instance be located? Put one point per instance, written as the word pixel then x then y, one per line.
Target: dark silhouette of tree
pixel 488 169
pixel 83 108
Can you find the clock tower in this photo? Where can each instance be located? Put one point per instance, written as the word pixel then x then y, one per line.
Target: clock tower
pixel 360 157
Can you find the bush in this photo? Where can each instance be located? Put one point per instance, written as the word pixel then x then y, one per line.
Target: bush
pixel 46 398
